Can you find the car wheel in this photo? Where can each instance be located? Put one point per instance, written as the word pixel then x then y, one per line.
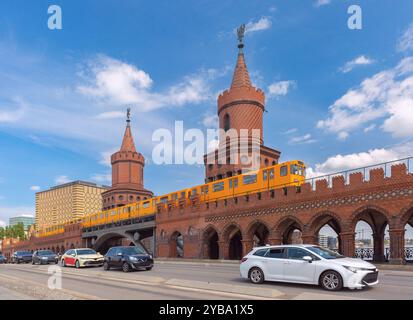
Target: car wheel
pixel 18 262
pixel 256 275
pixel 33 262
pixel 148 268
pixel 331 281
pixel 106 266
pixel 63 263
pixel 77 264
pixel 125 267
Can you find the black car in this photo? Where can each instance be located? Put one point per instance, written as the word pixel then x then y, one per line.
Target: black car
pixel 21 257
pixel 128 258
pixel 3 259
pixel 44 257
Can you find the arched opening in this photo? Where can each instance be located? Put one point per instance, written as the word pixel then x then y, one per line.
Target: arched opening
pixel 176 249
pixel 227 122
pixel 371 241
pixel 233 236
pixel 290 231
pixel 211 246
pixel 235 246
pixel 328 238
pixel 258 233
pixel 327 229
pixel 408 241
pixel 364 241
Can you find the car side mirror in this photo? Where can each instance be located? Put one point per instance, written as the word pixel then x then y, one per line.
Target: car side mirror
pixel 308 259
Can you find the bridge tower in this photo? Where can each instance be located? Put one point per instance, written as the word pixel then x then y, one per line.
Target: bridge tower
pixel 127 174
pixel 240 108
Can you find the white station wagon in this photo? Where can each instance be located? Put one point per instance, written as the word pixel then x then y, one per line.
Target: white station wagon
pixel 308 264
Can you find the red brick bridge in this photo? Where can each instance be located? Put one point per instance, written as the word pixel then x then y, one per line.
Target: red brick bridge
pixel 227 229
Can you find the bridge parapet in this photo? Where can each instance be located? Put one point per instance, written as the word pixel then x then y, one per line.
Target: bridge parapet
pixel 315 188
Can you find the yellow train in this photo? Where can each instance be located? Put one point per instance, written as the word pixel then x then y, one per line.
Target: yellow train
pixel 291 173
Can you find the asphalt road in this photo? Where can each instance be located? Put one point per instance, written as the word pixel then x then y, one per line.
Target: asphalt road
pixel 178 280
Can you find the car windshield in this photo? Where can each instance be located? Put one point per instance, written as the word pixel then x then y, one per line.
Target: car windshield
pixel 83 252
pixel 21 253
pixel 325 253
pixel 133 250
pixel 45 253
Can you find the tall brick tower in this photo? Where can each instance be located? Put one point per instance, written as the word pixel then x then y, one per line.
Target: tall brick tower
pixel 127 174
pixel 239 108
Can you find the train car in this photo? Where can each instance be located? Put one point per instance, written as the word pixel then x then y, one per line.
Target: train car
pixel 291 173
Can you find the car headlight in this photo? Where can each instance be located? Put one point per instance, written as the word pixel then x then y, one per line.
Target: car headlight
pixel 355 269
pixel 44 258
pixel 133 259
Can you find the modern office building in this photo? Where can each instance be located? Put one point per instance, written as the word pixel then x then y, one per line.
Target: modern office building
pixel 25 219
pixel 67 202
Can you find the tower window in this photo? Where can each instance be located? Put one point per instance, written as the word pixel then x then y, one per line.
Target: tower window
pixel 227 122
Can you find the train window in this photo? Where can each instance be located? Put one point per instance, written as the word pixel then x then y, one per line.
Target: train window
pixel 146 204
pixel 271 172
pixel 249 179
pixel 164 199
pixel 204 190
pixel 218 186
pixel 113 212
pixel 233 183
pixel 294 169
pixel 283 171
pixel 182 194
pixel 264 175
pixel 194 192
pixel 175 196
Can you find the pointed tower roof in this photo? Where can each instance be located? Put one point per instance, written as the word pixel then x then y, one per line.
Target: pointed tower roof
pixel 241 76
pixel 128 145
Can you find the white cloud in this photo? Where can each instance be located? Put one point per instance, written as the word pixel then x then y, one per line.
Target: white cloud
pixel 101 178
pixel 405 43
pixel 8 212
pixel 2 223
pixel 387 95
pixel 115 82
pixel 290 131
pixel 35 188
pixel 370 128
pixel 307 138
pixel 111 115
pixel 340 162
pixel 62 180
pixel 320 3
pixel 343 135
pixel 263 24
pixel 359 61
pixel 210 121
pixel 280 88
pixel 106 157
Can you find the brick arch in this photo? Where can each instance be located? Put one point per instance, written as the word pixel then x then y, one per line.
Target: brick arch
pixel 176 248
pixel 233 236
pixel 208 228
pixel 284 227
pixel 210 244
pixel 405 215
pixel 227 229
pixel 320 219
pixel 251 226
pixel 355 216
pixel 283 220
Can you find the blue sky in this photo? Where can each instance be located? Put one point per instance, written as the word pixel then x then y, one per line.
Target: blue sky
pixel 336 98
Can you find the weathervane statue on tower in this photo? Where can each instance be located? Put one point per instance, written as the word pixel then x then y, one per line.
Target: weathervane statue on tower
pixel 241 34
pixel 128 116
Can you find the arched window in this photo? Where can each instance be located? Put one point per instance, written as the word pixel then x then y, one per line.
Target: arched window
pixel 227 122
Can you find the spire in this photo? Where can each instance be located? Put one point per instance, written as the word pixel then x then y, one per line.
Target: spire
pixel 241 76
pixel 128 145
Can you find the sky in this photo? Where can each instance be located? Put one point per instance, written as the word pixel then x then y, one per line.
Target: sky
pixel 336 98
